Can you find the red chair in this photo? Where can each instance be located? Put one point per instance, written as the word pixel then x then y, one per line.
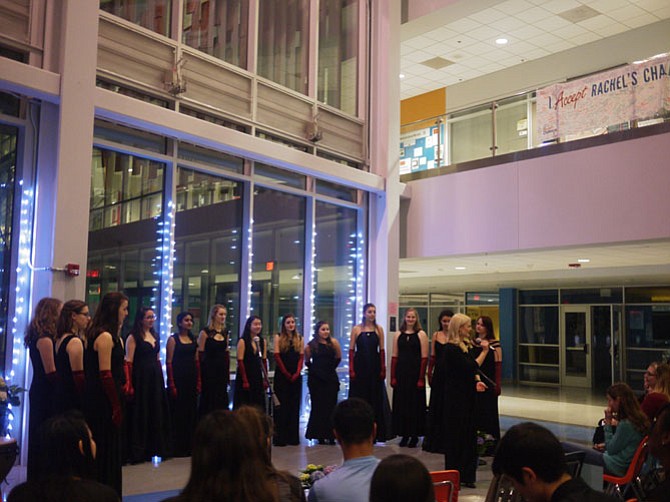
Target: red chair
pixel 446 485
pixel 619 485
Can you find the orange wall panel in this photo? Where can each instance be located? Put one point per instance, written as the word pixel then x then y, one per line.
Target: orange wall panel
pixel 423 106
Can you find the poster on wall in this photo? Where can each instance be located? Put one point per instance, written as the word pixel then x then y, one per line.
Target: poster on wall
pixel 635 91
pixel 422 149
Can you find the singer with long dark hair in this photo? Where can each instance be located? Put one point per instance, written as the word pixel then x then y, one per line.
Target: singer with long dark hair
pixel 488 355
pixel 250 382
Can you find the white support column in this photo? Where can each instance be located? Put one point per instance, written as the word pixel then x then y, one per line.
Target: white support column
pixel 384 122
pixel 64 156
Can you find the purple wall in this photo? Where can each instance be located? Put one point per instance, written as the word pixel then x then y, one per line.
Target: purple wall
pixel 612 193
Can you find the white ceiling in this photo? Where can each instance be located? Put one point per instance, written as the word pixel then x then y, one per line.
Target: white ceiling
pixel 535 29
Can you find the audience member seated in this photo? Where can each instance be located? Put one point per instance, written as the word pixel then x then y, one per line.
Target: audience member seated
pixel 649 378
pixel 226 464
pixel 659 447
pixel 401 478
pixel 658 395
pixel 531 457
pixel 260 425
pixel 65 466
pixel 355 430
pixel 623 411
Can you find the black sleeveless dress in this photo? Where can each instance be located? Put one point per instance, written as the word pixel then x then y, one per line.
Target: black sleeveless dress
pixel 434 440
pixel 149 416
pixel 323 385
pixel 185 407
pixel 215 372
pixel 368 385
pixel 98 412
pixel 287 415
pixel 409 402
pixel 42 406
pixel 487 402
pixel 255 395
pixel 68 397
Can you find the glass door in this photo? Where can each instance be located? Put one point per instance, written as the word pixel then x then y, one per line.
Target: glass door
pixel 576 346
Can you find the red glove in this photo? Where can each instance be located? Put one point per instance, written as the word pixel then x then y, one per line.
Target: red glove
pixel 296 375
pixel 243 373
pixel 422 374
pixel 172 388
pixel 382 360
pixel 352 372
pixel 79 381
pixel 109 388
pixel 128 390
pixel 431 368
pixel 281 366
pixel 394 364
pixel 498 367
pixel 198 381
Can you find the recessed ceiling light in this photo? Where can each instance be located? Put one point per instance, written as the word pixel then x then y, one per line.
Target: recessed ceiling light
pixel 402 75
pixel 584 260
pixel 459 268
pixel 501 41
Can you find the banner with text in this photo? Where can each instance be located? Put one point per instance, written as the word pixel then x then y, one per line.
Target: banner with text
pixel 631 92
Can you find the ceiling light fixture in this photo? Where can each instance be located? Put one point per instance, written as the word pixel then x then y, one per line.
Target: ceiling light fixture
pixel 402 75
pixel 459 268
pixel 584 260
pixel 501 41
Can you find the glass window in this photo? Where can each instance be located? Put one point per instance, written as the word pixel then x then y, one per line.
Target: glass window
pixel 208 229
pixel 210 157
pixel 336 191
pixel 284 177
pixel 127 91
pixel 9 104
pixel 538 325
pixel 338 51
pixel 648 295
pixel 151 14
pixel 512 125
pixel 538 297
pixel 336 249
pixel 218 28
pixel 130 137
pixel 283 34
pixel 8 146
pixel 278 257
pixel 482 298
pixel 471 135
pixel 592 295
pixel 648 326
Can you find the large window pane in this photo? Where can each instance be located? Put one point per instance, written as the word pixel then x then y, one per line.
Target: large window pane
pixel 283 33
pixel 471 136
pixel 218 28
pixel 338 49
pixel 512 125
pixel 278 257
pixel 151 14
pixel 208 230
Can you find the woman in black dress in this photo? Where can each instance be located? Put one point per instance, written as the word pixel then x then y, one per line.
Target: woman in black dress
pixel 322 356
pixel 183 384
pixel 103 363
pixel 367 369
pixel 408 379
pixel 214 360
pixel 289 355
pixel 461 384
pixel 250 382
pixel 488 355
pixel 148 411
pixel 72 323
pixel 44 387
pixel 434 440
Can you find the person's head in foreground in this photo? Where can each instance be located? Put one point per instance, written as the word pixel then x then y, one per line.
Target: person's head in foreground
pixel 354 422
pixel 401 478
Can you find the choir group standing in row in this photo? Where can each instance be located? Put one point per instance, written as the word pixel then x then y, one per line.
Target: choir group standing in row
pixel 84 364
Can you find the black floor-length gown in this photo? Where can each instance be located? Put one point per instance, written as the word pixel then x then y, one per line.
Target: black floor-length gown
pixel 148 412
pixel 459 412
pixel 255 394
pixel 409 401
pixel 215 371
pixel 287 415
pixel 368 385
pixel 486 410
pixel 68 397
pixel 98 412
pixel 434 440
pixel 185 406
pixel 42 407
pixel 323 385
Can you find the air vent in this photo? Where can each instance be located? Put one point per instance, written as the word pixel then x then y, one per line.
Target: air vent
pixel 437 63
pixel 578 14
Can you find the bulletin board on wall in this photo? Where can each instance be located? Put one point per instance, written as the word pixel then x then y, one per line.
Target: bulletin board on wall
pixel 422 149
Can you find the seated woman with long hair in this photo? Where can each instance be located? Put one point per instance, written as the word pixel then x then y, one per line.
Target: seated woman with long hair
pixel 65 465
pixel 226 464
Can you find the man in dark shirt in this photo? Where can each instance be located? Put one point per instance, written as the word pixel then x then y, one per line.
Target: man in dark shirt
pixel 533 460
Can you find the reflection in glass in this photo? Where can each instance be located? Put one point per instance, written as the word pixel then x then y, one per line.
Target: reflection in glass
pixel 208 230
pixel 512 125
pixel 471 137
pixel 218 28
pixel 283 32
pixel 278 258
pixel 338 49
pixel 151 14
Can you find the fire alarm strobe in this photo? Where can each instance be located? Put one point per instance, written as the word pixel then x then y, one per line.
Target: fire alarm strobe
pixel 72 269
